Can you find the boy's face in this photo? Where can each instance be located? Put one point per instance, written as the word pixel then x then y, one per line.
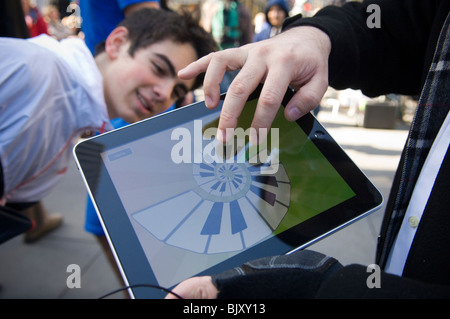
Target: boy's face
pixel 145 84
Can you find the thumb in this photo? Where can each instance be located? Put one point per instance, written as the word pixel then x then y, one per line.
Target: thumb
pixel 306 98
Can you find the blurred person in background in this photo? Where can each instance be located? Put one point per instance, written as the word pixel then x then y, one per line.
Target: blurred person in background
pixel 276 11
pixel 99 18
pixel 33 18
pixel 55 26
pixel 229 21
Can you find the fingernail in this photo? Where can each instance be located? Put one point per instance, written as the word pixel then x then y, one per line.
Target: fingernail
pixel 221 135
pixel 253 137
pixel 208 101
pixel 294 113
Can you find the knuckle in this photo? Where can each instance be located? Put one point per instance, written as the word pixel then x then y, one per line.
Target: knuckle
pixel 238 89
pixel 216 57
pixel 269 99
pixel 227 117
pixel 261 50
pixel 322 85
pixel 309 101
pixel 223 58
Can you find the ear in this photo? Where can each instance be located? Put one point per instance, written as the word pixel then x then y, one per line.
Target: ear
pixel 116 40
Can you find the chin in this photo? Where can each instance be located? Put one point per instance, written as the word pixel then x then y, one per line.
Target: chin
pixel 129 118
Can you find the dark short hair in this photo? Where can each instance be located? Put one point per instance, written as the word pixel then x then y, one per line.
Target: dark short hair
pixel 148 26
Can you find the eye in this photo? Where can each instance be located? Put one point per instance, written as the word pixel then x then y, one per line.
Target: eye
pixel 179 91
pixel 158 69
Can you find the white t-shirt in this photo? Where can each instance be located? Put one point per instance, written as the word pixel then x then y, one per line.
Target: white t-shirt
pixel 50 93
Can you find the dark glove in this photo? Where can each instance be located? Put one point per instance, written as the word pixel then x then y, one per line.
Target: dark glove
pixel 297 275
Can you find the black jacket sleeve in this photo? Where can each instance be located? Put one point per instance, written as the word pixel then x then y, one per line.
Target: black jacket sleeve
pixel 351 282
pixel 390 59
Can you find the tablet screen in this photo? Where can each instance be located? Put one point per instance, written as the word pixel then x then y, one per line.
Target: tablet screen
pixel 176 203
pixel 194 203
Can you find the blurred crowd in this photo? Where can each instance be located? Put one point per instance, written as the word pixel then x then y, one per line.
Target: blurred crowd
pixel 59 19
pixel 231 22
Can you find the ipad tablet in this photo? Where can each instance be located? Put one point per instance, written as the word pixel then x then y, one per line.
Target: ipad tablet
pixel 175 203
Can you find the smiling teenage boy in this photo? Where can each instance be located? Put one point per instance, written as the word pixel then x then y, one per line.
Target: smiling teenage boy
pixel 51 92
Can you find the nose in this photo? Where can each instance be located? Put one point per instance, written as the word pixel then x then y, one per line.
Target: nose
pixel 163 89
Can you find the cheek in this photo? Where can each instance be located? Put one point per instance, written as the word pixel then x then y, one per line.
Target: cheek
pixel 122 88
pixel 133 78
pixel 126 74
pixel 124 79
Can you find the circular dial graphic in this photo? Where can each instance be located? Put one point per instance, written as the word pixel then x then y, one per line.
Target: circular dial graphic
pixel 232 206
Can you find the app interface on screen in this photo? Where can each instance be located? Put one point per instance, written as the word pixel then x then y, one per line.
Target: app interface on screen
pixel 194 202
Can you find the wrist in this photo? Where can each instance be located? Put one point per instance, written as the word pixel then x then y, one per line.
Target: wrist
pixel 312 34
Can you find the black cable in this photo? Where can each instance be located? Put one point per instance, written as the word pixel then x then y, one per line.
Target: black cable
pixel 141 285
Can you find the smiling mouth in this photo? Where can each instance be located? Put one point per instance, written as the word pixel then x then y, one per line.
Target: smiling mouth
pixel 143 101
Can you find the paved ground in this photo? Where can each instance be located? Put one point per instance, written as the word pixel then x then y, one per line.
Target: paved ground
pixel 40 270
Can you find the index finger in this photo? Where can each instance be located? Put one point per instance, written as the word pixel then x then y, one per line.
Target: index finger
pixel 214 65
pixel 245 82
pixel 194 69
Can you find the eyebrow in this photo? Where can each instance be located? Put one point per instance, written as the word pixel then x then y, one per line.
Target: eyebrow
pixel 168 63
pixel 171 70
